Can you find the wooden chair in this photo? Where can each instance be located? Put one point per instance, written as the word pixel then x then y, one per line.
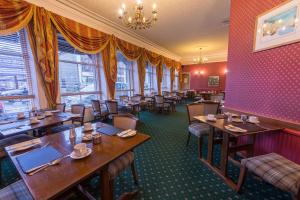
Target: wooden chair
pixel 274 169
pixel 160 104
pixel 112 108
pixel 61 107
pixel 98 112
pixel 14 191
pixel 195 127
pixel 126 160
pixel 78 109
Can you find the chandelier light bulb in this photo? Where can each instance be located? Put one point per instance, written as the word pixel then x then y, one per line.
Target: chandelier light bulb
pixel 139 2
pixel 123 6
pixel 154 7
pixel 121 12
pixel 144 19
pixel 129 19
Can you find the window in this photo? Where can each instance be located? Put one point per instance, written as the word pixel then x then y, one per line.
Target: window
pixel 176 81
pixel 166 81
pixel 78 75
pixel 124 83
pixel 15 78
pixel 150 78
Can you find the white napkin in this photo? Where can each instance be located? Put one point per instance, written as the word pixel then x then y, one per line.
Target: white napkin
pixel 124 132
pixel 24 145
pixel 5 122
pixel 235 129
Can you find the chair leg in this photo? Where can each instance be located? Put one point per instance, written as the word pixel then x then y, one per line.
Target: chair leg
pixel 200 142
pixel 188 140
pixel 134 174
pixel 242 177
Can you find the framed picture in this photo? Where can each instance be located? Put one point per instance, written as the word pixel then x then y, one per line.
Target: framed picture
pixel 213 81
pixel 277 27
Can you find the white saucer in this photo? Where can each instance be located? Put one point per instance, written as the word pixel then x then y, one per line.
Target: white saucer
pixel 74 156
pixel 130 134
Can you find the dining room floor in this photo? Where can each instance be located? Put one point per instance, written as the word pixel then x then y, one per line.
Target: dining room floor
pixel 167 169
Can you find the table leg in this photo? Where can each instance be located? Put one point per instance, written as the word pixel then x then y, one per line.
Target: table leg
pixel 210 148
pixel 106 186
pixel 224 154
pixel 251 140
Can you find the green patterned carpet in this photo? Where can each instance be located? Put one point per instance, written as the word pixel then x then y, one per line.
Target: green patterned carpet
pixel 167 169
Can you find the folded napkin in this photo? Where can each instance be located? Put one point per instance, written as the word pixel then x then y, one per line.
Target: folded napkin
pixel 36 158
pixel 124 132
pixel 127 133
pixel 235 129
pixel 24 145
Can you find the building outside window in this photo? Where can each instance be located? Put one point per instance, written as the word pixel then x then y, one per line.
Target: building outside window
pixel 176 81
pixel 166 81
pixel 78 75
pixel 150 79
pixel 124 83
pixel 15 75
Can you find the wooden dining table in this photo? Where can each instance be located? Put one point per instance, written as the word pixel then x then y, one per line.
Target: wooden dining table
pixel 252 129
pixel 17 126
pixel 51 183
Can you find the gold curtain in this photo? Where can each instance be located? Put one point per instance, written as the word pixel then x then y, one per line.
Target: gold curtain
pixel 14 15
pixel 109 59
pixel 44 46
pixel 172 77
pixel 81 37
pixel 130 51
pixel 142 63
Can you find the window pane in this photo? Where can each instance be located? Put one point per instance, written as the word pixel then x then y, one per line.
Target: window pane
pixel 124 76
pixel 15 79
pixel 15 105
pixel 77 74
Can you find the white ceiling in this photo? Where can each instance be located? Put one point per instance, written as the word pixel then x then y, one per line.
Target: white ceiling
pixel 182 26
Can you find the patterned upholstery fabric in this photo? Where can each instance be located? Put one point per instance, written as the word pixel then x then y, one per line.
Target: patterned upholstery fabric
pixel 120 164
pixel 276 170
pixel 198 129
pixel 15 191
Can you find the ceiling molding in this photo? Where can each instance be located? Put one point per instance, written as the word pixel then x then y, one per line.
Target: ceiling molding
pixel 74 11
pixel 219 57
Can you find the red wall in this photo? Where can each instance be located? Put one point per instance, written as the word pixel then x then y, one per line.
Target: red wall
pixel 200 81
pixel 266 83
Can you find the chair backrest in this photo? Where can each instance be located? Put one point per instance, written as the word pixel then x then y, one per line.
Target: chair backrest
pixel 165 93
pixel 124 122
pixel 61 107
pixel 159 99
pixel 124 98
pixel 136 98
pixel 196 109
pixel 112 106
pixel 96 105
pixel 217 97
pixel 78 109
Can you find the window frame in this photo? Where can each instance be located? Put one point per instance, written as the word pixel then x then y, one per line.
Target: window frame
pixel 28 64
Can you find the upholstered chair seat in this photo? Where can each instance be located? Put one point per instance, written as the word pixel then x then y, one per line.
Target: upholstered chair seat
pixel 198 129
pixel 120 164
pixel 15 191
pixel 274 169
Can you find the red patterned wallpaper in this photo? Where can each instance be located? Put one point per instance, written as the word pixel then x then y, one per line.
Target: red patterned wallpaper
pixel 265 83
pixel 200 81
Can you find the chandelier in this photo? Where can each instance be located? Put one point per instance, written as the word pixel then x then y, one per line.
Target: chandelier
pixel 137 20
pixel 200 59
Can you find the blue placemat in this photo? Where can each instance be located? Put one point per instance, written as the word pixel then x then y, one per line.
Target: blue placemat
pixel 109 130
pixel 35 158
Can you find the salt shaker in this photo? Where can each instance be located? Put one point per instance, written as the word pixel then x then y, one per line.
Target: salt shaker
pixel 72 133
pixel 229 119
